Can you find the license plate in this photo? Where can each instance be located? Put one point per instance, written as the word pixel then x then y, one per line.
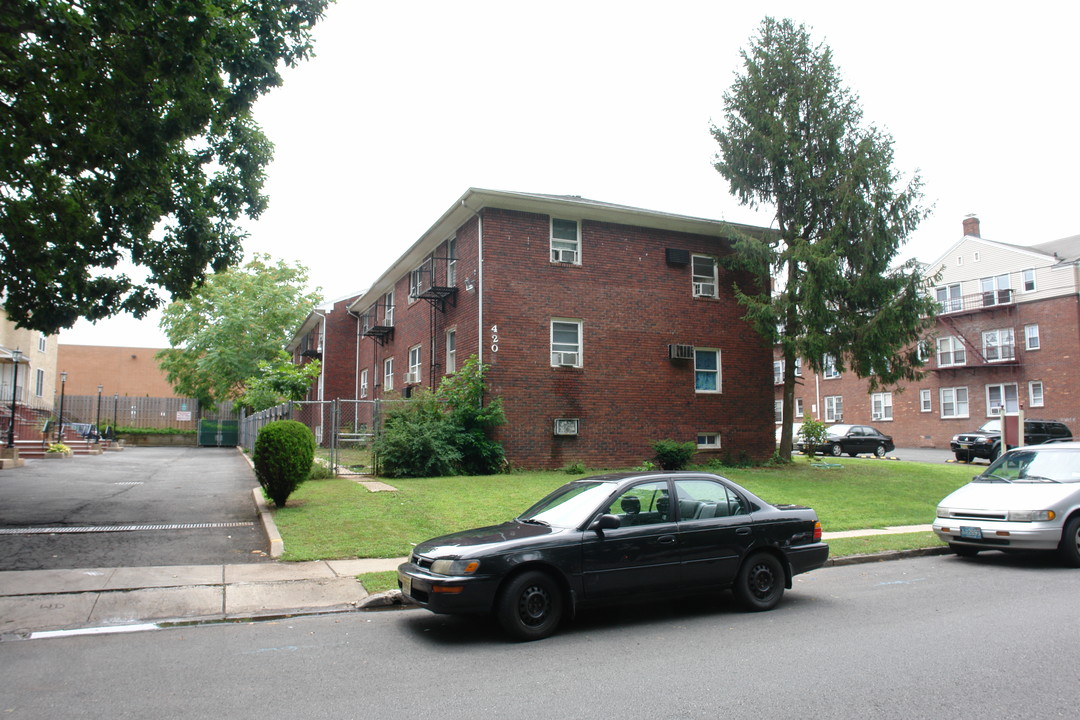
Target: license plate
pixel 406 585
pixel 965 445
pixel 973 533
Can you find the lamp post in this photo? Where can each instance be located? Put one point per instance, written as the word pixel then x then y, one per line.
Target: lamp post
pixel 115 411
pixel 97 423
pixel 16 355
pixel 60 424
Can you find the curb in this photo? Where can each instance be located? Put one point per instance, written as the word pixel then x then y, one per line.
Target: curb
pixel 887 555
pixel 277 545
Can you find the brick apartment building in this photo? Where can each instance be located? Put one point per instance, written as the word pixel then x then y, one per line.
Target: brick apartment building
pixel 1007 336
pixel 123 371
pixel 605 327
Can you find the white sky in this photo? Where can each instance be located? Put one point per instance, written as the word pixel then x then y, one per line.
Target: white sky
pixel 407 105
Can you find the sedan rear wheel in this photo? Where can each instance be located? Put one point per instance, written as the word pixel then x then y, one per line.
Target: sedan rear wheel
pixel 760 583
pixel 1070 542
pixel 837 451
pixel 879 451
pixel 529 607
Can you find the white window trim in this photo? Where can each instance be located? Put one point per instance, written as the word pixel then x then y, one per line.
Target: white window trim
pixel 950 303
pixel 43 342
pixel 451 352
pixel 926 401
pixel 830 407
pixel 561 257
pixel 707 445
pixel 886 414
pixel 451 262
pixel 388 309
pixel 1004 398
pixel 1028 336
pixel 363 383
pixel 1006 338
pixel 702 287
pixel 955 346
pixel 718 372
pixel 557 356
pixel 799 408
pixel 388 374
pixel 942 403
pixel 829 371
pixel 1031 393
pixel 39 383
pixel 1034 280
pixel 416 363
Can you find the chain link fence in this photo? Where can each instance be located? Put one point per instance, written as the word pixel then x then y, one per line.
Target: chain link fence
pixel 344 430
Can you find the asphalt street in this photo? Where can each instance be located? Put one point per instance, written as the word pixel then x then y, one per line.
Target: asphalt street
pixel 191 506
pixel 994 637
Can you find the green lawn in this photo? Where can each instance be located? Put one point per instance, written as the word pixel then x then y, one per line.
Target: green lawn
pixel 338 518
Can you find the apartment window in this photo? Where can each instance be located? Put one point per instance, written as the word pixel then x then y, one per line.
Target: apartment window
pixel 949 298
pixel 954 402
pixel 1029 279
pixel 388 374
pixel 995 290
pixel 418 280
pixel 925 404
pixel 388 312
pixel 881 406
pixel 1035 393
pixel 704 275
pixel 778 372
pixel 706 370
pixel 451 351
pixel 798 367
pixel 565 241
pixel 998 345
pixel 1031 337
pixel 363 383
pixel 950 351
pixel 1002 399
pixel 829 370
pixel 798 408
pixel 708 440
pixel 566 343
pixel 42 342
pixel 834 408
pixel 976 257
pixel 39 382
pixel 414 365
pixel 778 411
pixel 451 262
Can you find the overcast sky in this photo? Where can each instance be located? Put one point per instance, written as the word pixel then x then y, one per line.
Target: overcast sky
pixel 407 105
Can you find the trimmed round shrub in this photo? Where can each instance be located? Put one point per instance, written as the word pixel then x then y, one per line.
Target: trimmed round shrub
pixel 284 452
pixel 672 455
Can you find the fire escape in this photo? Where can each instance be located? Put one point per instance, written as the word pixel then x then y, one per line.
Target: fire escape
pixel 969 316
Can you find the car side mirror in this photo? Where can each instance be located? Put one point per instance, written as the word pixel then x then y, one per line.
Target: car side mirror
pixel 606 522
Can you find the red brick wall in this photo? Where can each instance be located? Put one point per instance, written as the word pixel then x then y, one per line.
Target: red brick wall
pixel 1054 364
pixel 128 371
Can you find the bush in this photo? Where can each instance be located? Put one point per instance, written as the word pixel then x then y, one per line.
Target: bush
pixel 284 452
pixel 814 434
pixel 672 455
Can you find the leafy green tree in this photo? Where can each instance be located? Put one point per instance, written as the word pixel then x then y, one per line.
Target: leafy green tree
pixel 127 145
pixel 278 381
pixel 237 319
pixel 793 140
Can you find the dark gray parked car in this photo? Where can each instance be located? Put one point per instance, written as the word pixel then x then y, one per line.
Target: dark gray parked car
pixel 986 441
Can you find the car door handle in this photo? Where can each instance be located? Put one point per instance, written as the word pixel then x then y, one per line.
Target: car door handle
pixel 743 531
pixel 666 539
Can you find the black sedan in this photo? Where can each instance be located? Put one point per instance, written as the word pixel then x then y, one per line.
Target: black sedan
pixel 613 538
pixel 853 440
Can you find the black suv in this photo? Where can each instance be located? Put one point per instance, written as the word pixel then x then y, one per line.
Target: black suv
pixel 986 441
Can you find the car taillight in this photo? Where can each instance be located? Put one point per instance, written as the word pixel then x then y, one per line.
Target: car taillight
pixel 817 532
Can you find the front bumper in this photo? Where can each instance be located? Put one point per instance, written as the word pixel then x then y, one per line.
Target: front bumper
pixel 447 594
pixel 996 535
pixel 979 450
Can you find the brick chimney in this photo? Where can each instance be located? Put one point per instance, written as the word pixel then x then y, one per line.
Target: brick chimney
pixel 971 226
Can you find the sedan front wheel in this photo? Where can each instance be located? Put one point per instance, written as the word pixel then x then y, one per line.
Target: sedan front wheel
pixel 1070 543
pixel 837 451
pixel 760 583
pixel 529 607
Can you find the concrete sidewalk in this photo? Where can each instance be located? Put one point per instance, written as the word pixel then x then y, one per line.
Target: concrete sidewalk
pixel 37 601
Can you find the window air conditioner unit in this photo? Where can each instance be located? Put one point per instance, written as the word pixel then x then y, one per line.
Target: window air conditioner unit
pixel 704 289
pixel 877 416
pixel 566 426
pixel 996 410
pixel 565 359
pixel 564 256
pixel 412 378
pixel 680 352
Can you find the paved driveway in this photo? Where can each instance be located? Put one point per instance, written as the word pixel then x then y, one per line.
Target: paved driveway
pixel 189 506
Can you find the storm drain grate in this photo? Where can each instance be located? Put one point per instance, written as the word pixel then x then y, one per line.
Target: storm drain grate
pixel 120 528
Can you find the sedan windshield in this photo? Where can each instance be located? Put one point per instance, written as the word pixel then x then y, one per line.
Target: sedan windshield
pixel 1034 466
pixel 569 506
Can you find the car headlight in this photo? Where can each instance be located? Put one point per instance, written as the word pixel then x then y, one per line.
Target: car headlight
pixel 983 440
pixel 455 567
pixel 956 438
pixel 943 512
pixel 1031 515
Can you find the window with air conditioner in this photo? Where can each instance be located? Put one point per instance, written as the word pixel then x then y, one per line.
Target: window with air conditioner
pixel 707 370
pixel 565 241
pixel 704 275
pixel 566 345
pixel 881 406
pixel 954 402
pixel 998 345
pixel 834 408
pixel 950 352
pixel 1002 398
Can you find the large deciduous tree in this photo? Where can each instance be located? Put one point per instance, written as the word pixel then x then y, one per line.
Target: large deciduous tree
pixel 127 146
pixel 793 139
pixel 237 319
